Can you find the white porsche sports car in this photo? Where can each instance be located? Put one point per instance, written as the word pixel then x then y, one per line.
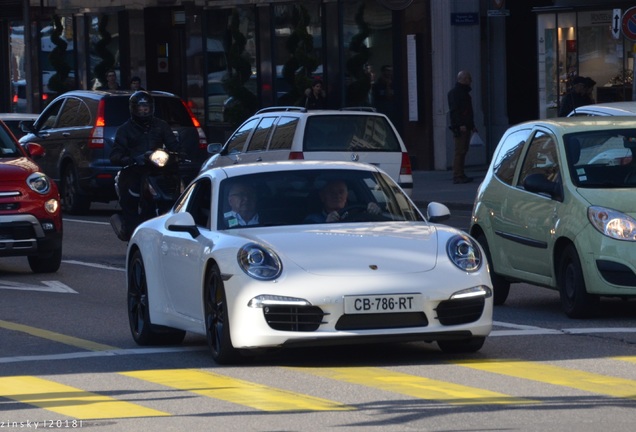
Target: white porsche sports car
pixel 299 253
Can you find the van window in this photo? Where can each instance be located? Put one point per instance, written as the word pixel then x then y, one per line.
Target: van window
pixel 261 134
pixel 237 141
pixel 350 133
pixel 284 133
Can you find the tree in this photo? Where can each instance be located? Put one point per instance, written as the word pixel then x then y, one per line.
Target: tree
pixel 301 63
pixel 101 48
pixel 57 82
pixel 243 103
pixel 360 82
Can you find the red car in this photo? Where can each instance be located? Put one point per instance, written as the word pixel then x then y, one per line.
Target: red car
pixel 30 212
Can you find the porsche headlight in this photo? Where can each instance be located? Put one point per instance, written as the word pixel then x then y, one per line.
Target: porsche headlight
pixel 159 157
pixel 259 262
pixel 39 182
pixel 464 253
pixel 612 223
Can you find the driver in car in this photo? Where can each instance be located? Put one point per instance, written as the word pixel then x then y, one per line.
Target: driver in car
pixel 334 200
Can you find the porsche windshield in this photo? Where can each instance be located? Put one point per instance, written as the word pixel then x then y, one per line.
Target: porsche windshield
pixel 312 197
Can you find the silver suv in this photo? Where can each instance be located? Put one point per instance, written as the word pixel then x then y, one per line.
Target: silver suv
pixel 283 133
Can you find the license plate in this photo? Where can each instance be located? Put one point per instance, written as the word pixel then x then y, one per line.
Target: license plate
pixel 383 303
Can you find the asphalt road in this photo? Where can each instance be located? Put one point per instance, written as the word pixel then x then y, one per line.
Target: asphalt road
pixel 68 360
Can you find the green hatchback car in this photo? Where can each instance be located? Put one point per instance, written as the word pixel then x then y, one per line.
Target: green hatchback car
pixel 557 208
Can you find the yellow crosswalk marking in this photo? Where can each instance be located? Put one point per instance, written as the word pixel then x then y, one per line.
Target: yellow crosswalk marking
pixel 581 380
pixel 630 359
pixel 236 391
pixel 69 401
pixel 415 386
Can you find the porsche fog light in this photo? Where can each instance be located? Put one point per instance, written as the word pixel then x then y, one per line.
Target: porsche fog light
pixel 274 300
pixel 259 262
pixel 39 182
pixel 477 291
pixel 464 253
pixel 159 157
pixel 612 223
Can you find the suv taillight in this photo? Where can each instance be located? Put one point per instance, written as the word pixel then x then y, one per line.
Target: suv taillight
pixel 296 155
pixel 405 167
pixel 203 141
pixel 96 140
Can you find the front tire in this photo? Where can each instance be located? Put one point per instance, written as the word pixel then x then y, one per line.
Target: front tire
pixel 217 323
pixel 462 346
pixel 576 302
pixel 73 202
pixel 500 286
pixel 46 263
pixel 141 328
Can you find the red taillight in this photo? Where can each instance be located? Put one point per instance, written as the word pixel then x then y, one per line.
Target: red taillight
pixel 203 140
pixel 296 155
pixel 45 96
pixel 405 168
pixel 96 140
pixel 15 99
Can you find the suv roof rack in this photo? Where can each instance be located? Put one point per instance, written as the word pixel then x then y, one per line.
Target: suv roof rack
pixel 281 108
pixel 359 108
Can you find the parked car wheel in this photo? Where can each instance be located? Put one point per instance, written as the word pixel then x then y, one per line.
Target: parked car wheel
pixel 217 324
pixel 575 300
pixel 461 346
pixel 73 202
pixel 46 263
pixel 500 286
pixel 142 329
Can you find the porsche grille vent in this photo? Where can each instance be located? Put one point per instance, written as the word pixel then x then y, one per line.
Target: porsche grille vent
pixel 294 318
pixel 454 312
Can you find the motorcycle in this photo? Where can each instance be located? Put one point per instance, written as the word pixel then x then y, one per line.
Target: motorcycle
pixel 158 190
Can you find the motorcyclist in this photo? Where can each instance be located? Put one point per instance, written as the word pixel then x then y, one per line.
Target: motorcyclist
pixel 141 133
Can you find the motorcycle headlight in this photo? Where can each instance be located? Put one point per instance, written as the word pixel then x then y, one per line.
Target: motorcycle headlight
pixel 159 157
pixel 259 262
pixel 612 223
pixel 39 182
pixel 464 253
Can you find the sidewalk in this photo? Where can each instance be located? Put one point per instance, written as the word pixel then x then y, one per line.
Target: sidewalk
pixel 438 186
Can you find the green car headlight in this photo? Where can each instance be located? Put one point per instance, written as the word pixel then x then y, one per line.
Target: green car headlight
pixel 612 223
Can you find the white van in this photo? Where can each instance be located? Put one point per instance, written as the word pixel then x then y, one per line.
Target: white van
pixel 283 133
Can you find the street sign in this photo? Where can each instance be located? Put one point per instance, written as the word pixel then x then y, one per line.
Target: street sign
pixel 628 24
pixel 616 23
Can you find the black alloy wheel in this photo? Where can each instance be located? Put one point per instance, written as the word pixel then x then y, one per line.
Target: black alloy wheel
pixel 73 202
pixel 217 324
pixel 141 328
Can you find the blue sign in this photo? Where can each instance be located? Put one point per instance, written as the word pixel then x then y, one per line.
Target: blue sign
pixel 468 18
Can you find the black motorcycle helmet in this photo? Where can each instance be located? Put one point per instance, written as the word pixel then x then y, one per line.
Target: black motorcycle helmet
pixel 142 107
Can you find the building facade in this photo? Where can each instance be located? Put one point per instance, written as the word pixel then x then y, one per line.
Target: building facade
pixel 228 58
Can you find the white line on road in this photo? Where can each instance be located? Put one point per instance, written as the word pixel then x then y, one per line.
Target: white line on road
pixel 86 221
pixel 101 266
pixel 90 354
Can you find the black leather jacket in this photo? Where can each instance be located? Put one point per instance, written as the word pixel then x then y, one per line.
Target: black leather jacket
pixel 133 139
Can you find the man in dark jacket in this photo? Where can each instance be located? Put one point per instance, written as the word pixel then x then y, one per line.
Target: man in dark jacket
pixel 141 133
pixel 462 123
pixel 576 96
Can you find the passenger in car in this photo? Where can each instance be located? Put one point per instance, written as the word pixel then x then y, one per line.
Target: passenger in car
pixel 242 201
pixel 334 197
